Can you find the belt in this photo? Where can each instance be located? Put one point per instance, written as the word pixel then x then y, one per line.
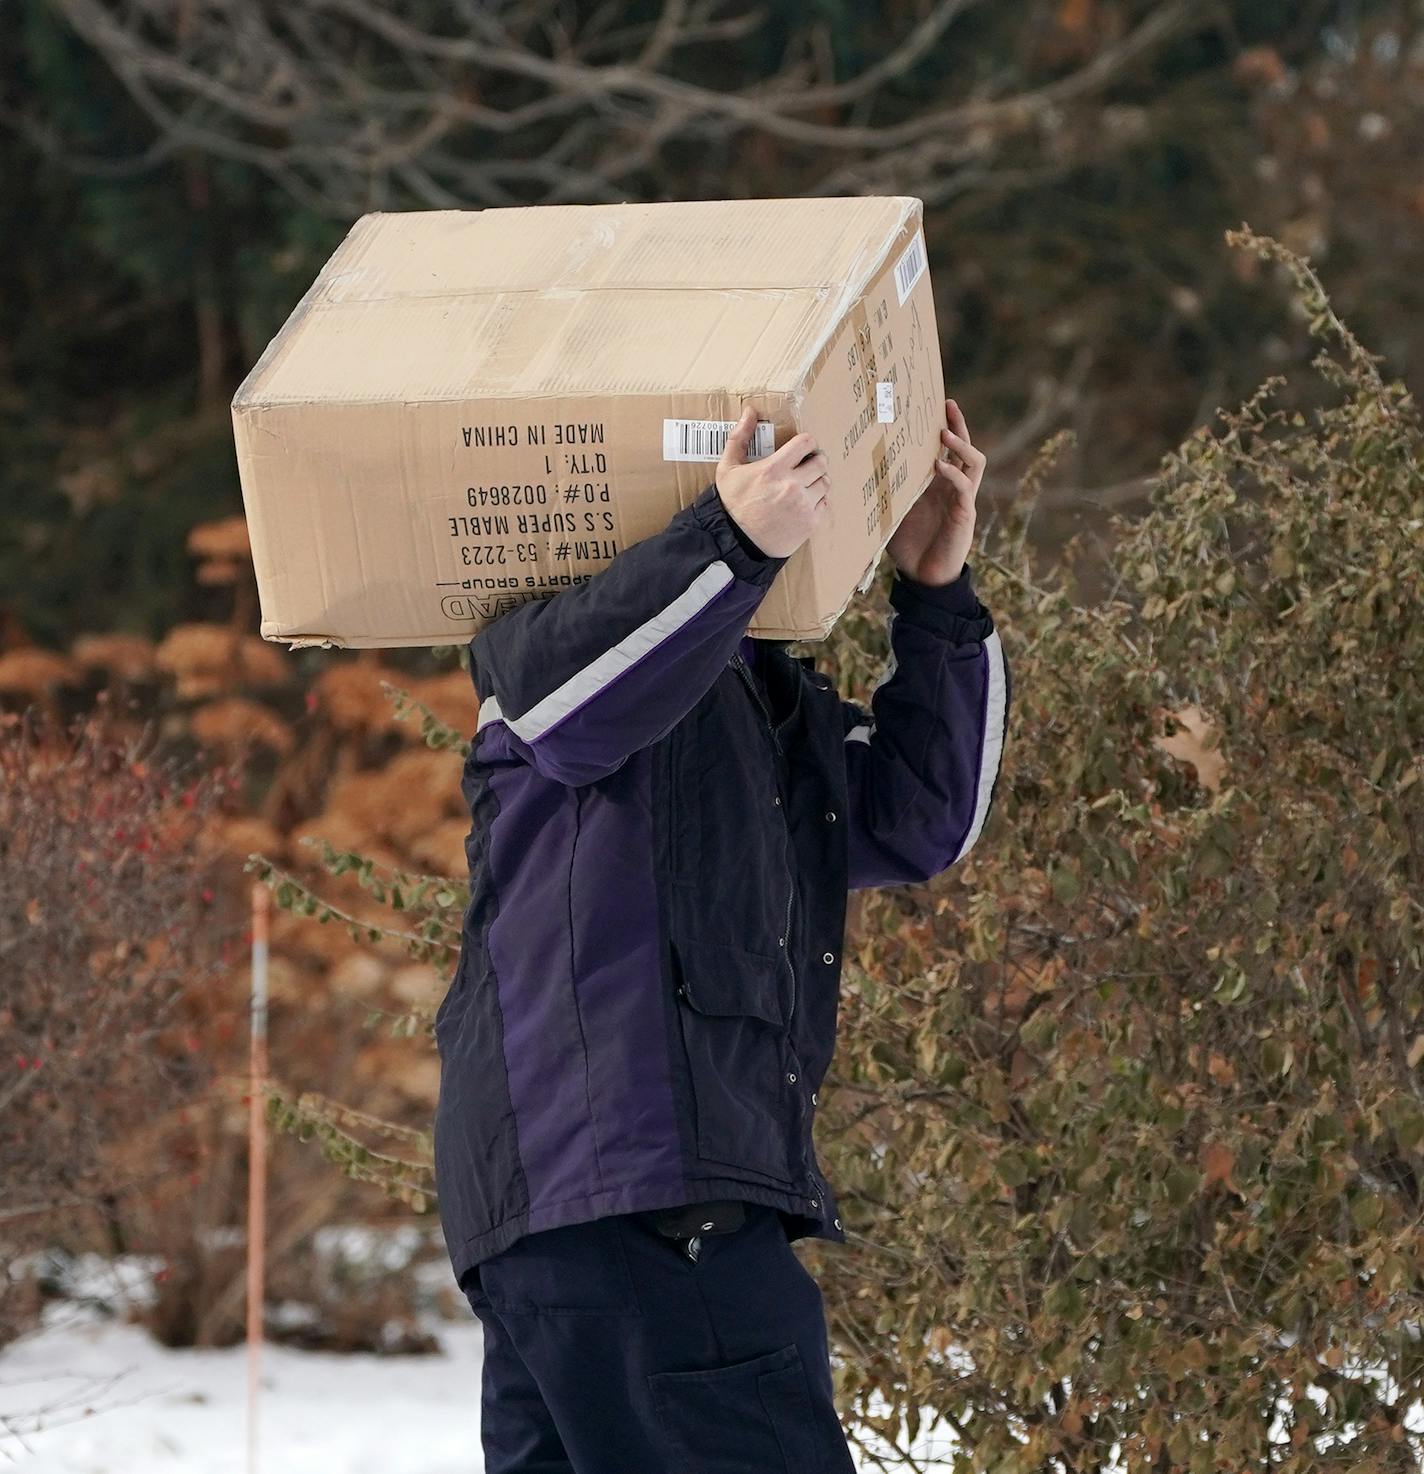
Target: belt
pixel 691 1219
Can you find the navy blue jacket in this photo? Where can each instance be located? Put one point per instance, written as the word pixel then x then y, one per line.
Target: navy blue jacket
pixel 667 816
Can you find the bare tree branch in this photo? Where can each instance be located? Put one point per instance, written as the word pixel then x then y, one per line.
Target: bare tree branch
pixel 358 104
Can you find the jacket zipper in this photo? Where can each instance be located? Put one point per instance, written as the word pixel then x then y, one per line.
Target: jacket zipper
pixel 746 675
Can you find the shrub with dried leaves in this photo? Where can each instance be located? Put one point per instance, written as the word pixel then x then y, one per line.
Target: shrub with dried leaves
pixel 104 931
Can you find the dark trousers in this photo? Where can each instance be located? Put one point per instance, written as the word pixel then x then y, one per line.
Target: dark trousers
pixel 611 1348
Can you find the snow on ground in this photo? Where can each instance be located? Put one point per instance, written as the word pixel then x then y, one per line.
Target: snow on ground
pixel 87 1394
pixel 119 1403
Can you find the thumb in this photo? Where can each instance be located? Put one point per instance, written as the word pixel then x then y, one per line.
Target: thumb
pixel 739 440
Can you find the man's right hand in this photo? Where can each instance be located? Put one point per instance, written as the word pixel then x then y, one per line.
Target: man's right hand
pixel 779 500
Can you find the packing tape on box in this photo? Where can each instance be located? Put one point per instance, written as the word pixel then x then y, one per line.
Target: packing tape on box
pixel 879 457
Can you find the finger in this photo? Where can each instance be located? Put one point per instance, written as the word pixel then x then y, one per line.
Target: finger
pixel 962 444
pixel 796 449
pixel 812 469
pixel 957 479
pixel 739 438
pixel 955 416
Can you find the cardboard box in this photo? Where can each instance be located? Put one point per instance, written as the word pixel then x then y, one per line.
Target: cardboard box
pixel 470 408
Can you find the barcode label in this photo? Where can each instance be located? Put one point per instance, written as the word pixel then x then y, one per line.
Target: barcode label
pixel 910 267
pixel 705 440
pixel 884 401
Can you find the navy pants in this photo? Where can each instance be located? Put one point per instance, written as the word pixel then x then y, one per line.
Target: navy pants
pixel 610 1349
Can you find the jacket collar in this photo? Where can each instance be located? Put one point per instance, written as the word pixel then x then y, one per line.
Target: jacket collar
pixel 772 670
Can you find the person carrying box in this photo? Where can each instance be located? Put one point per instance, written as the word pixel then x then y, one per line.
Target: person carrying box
pixel 667 818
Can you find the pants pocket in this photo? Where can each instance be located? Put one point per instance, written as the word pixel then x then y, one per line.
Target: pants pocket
pixel 750 1415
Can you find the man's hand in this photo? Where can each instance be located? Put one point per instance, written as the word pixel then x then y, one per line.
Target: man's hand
pixel 779 500
pixel 933 538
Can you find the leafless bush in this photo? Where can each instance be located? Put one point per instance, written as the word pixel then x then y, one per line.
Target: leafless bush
pixel 105 933
pixel 374 104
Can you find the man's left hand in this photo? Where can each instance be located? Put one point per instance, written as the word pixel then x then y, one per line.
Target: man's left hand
pixel 933 538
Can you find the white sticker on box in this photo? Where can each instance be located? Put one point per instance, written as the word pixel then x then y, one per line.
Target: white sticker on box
pixel 705 440
pixel 884 401
pixel 910 267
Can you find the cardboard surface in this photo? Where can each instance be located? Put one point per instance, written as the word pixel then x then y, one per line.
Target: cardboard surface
pixel 471 408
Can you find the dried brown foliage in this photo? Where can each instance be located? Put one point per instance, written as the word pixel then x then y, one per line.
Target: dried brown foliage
pixel 1128 1112
pixel 105 899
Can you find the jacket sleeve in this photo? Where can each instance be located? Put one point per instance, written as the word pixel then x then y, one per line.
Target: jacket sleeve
pixel 587 676
pixel 922 763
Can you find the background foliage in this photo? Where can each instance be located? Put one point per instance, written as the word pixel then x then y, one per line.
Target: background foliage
pixel 1127 1114
pixel 1130 1109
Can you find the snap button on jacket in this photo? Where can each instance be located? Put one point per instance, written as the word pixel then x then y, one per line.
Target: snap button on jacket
pixel 666 819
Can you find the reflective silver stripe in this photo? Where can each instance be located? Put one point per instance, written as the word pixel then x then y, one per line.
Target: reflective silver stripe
pixel 992 750
pixel 860 733
pixel 489 712
pixel 586 683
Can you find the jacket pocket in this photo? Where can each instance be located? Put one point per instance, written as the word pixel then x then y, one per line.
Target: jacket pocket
pixel 747 1415
pixel 731 1019
pixel 727 981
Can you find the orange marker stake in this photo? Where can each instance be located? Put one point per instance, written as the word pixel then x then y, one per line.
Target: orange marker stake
pixel 257 1164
